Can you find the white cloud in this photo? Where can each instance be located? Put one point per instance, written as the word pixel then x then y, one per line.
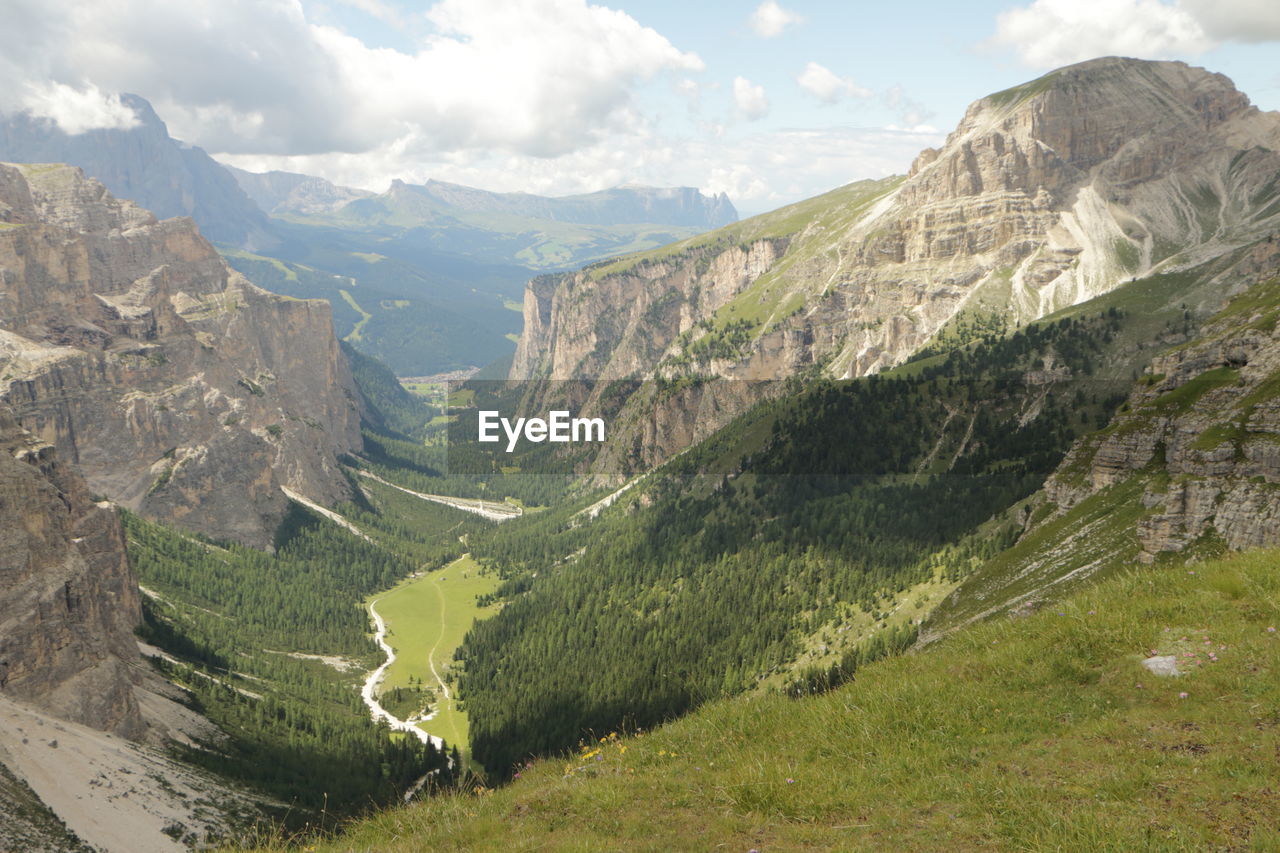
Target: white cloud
pixel 769 19
pixel 1050 33
pixel 78 110
pixel 825 85
pixel 535 95
pixel 911 113
pixel 1237 20
pixel 28 81
pixel 540 77
pixel 749 99
pixel 691 92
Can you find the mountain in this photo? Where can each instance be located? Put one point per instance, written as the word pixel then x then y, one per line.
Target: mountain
pixel 137 368
pixel 442 258
pixel 147 166
pixel 178 388
pixel 289 192
pixel 618 206
pixel 820 531
pixel 427 277
pixel 1189 466
pixel 437 220
pixel 768 533
pixel 1045 195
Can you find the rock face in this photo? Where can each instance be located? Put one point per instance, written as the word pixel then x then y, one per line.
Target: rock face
pixel 1202 429
pixel 147 166
pixel 178 388
pixel 68 599
pixel 1044 196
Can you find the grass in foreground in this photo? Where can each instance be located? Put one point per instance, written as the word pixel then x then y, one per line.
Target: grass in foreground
pixel 426 618
pixel 1042 733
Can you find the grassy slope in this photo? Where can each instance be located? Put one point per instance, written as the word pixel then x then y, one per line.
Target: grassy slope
pixel 426 619
pixel 783 222
pixel 1041 733
pixel 782 290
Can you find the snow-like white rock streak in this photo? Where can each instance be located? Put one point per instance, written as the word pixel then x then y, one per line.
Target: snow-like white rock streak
pixel 492 510
pixel 327 513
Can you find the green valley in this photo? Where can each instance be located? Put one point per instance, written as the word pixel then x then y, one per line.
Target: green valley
pixel 937 511
pixel 427 616
pixel 1040 733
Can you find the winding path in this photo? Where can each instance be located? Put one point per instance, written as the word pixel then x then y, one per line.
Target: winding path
pixel 431 655
pixel 368 692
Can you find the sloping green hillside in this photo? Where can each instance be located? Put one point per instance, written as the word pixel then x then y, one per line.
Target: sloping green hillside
pixel 779 552
pixel 1188 467
pixel 1040 733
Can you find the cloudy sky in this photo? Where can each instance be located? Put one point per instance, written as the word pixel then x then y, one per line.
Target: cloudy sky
pixel 770 102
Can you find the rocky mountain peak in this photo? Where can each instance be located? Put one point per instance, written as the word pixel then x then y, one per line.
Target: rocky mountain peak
pixel 1044 196
pixel 1049 133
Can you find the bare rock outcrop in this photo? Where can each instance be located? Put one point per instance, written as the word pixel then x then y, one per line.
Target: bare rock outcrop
pixel 178 388
pixel 68 599
pixel 1203 429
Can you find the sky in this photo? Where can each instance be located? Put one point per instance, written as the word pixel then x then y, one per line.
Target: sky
pixel 770 102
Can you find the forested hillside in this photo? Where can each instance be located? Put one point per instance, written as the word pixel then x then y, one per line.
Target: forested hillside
pixel 808 536
pixel 1039 733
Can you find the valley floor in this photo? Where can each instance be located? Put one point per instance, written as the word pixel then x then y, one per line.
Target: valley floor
pixel 1039 733
pixel 427 617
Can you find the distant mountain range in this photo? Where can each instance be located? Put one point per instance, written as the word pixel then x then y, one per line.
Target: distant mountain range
pixel 422 276
pixel 285 193
pixel 618 206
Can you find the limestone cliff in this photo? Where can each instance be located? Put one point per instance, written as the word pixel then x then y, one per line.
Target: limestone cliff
pixel 1045 195
pixel 68 599
pixel 1201 432
pixel 178 388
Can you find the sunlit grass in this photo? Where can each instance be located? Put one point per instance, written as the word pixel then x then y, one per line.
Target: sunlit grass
pixel 426 619
pixel 1040 733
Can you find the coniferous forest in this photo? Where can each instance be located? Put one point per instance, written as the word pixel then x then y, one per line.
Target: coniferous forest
pixel 705 585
